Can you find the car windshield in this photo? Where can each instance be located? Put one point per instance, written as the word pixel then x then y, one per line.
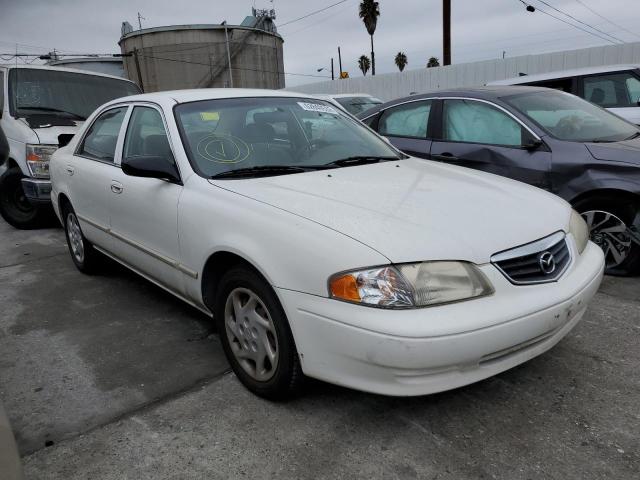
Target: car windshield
pixel 54 92
pixel 356 105
pixel 568 117
pixel 273 133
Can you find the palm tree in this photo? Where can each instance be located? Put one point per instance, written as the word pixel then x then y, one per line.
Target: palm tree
pixel 369 13
pixel 364 64
pixel 433 62
pixel 401 60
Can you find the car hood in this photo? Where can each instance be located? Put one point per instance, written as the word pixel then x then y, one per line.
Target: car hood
pixel 49 135
pixel 413 210
pixel 627 151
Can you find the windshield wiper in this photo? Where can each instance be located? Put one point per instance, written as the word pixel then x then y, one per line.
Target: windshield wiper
pixel 262 170
pixel 360 160
pixel 635 135
pixel 54 110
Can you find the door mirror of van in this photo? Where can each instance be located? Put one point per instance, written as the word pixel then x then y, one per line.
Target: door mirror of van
pixel 151 166
pixel 64 139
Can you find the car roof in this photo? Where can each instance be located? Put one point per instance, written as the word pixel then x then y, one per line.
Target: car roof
pixel 564 74
pixel 63 69
pixel 194 95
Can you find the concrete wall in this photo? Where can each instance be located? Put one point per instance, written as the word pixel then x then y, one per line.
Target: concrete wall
pixel 394 85
pixel 196 57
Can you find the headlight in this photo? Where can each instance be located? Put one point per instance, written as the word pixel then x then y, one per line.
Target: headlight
pixel 411 285
pixel 38 159
pixel 578 228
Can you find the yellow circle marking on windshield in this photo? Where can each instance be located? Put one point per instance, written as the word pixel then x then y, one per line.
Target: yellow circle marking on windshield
pixel 223 148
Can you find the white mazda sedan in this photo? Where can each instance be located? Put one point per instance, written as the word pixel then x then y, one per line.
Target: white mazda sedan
pixel 318 248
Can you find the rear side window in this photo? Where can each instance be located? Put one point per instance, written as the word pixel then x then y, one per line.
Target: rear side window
pixel 102 137
pixel 613 90
pixel 408 120
pixel 478 122
pixel 562 84
pixel 146 135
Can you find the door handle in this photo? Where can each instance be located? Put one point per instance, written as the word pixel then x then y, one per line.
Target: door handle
pixel 445 157
pixel 116 188
pixel 70 170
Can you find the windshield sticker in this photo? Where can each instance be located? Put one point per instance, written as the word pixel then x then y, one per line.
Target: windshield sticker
pixel 316 107
pixel 223 148
pixel 209 116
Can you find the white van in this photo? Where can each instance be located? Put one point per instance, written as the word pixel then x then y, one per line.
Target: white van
pixel 41 108
pixel 614 87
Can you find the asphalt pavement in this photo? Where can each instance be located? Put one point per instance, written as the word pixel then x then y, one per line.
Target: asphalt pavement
pixel 109 377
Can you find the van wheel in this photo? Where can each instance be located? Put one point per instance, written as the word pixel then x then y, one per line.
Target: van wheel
pixel 609 223
pixel 255 335
pixel 84 256
pixel 15 208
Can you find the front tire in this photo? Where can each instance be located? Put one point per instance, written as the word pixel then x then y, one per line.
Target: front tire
pixel 609 221
pixel 255 335
pixel 84 256
pixel 15 208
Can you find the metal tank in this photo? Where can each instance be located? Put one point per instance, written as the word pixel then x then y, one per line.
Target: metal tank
pixel 198 56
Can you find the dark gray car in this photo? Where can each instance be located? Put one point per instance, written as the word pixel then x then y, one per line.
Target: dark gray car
pixel 546 138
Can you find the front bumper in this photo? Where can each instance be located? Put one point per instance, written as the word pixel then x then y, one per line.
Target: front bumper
pixel 417 352
pixel 37 190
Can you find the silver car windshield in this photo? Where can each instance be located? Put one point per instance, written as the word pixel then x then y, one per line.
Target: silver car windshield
pixel 258 133
pixel 568 117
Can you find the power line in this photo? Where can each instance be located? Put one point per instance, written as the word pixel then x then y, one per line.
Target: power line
pixel 579 21
pixel 569 23
pixel 312 13
pixel 606 19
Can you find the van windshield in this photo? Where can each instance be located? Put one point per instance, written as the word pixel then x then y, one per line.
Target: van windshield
pixel 568 117
pixel 66 94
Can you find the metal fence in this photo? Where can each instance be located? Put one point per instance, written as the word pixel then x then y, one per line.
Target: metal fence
pixel 399 84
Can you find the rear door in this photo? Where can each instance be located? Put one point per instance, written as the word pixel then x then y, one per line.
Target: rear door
pixel 479 134
pixel 89 171
pixel 406 127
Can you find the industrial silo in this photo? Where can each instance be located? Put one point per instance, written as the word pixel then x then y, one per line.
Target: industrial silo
pixel 198 56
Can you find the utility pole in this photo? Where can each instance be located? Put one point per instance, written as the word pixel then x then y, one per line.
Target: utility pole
pixel 226 36
pixel 446 32
pixel 332 76
pixel 340 62
pixel 135 57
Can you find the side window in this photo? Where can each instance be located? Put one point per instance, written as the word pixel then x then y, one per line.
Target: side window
pixel 615 90
pixel 478 122
pixel 562 84
pixel 408 120
pixel 101 139
pixel 146 135
pixel 1 92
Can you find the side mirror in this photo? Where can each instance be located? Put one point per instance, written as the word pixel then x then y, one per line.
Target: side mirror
pixel 151 166
pixel 529 142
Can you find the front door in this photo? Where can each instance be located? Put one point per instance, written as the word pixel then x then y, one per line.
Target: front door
pixel 479 135
pixel 144 211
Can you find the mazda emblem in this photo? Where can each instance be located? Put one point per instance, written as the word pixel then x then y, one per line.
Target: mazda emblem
pixel 547 263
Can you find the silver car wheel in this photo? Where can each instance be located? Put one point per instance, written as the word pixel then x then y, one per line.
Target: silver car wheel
pixel 74 235
pixel 251 333
pixel 609 233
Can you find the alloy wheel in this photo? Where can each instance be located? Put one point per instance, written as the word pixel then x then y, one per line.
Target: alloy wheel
pixel 75 237
pixel 251 333
pixel 609 233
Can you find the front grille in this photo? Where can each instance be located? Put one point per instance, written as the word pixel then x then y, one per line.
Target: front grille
pixel 542 261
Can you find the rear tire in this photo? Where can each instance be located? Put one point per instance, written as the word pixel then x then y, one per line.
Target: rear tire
pixel 85 257
pixel 607 219
pixel 15 208
pixel 256 337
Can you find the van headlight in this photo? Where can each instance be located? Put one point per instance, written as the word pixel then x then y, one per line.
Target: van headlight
pixel 38 157
pixel 578 228
pixel 411 285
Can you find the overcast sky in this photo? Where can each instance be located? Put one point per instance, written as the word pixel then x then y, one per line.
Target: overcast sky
pixel 481 29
